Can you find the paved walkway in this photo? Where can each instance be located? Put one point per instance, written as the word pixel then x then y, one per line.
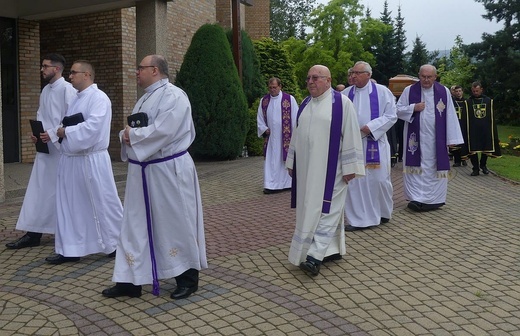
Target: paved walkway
pixel 455 271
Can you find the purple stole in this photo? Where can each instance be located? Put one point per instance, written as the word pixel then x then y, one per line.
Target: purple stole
pixel 286 121
pixel 155 287
pixel 372 154
pixel 334 153
pixel 413 148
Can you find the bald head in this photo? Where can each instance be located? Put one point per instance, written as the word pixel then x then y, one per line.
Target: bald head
pixel 427 75
pixel 318 80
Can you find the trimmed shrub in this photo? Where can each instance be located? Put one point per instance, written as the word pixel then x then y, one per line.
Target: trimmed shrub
pixel 252 81
pixel 209 76
pixel 275 62
pixel 255 145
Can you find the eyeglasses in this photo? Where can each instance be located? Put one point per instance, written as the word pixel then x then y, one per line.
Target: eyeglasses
pixel 141 67
pixel 358 72
pixel 314 78
pixel 45 66
pixel 73 72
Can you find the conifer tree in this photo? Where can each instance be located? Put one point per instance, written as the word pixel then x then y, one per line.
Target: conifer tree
pixel 209 77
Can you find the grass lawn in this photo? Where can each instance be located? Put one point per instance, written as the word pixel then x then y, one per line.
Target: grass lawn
pixel 507 166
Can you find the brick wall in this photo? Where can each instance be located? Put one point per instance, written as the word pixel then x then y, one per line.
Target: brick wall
pixel 224 13
pixel 29 63
pixel 184 18
pixel 253 19
pixel 257 19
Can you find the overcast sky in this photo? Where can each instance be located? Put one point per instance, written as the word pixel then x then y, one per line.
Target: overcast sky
pixel 450 17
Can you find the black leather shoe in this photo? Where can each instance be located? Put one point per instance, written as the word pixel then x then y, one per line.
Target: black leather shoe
pixel 24 241
pixel 384 220
pixel 350 228
pixel 112 255
pixel 474 173
pixel 59 259
pixel 332 257
pixel 183 292
pixel 310 267
pixel 485 171
pixel 457 164
pixel 415 206
pixel 122 289
pixel 464 163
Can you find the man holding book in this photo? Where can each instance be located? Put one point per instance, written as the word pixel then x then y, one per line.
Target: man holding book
pixel 38 213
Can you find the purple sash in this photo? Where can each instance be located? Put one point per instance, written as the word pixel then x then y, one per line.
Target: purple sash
pixel 413 148
pixel 148 213
pixel 286 122
pixel 372 153
pixel 334 153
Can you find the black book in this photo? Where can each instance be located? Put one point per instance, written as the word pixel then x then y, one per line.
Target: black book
pixel 139 119
pixel 37 128
pixel 71 121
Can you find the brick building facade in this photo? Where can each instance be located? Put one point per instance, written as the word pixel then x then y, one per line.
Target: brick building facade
pixel 108 40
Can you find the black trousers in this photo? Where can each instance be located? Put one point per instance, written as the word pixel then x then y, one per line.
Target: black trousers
pixel 475 163
pixel 189 278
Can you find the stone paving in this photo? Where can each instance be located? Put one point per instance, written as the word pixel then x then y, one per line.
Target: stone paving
pixel 454 271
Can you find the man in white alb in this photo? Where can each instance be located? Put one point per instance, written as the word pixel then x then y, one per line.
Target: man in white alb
pixel 326 153
pixel 431 126
pixel 38 213
pixel 163 230
pixel 276 119
pixel 369 199
pixel 88 206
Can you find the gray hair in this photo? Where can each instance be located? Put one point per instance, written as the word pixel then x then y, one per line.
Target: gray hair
pixel 367 66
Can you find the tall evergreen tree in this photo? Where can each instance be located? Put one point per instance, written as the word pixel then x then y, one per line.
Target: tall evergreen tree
pixel 400 42
pixel 498 59
pixel 210 79
pixel 418 56
pixel 386 58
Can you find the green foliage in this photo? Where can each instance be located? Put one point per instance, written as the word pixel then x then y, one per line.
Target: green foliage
pixel 388 54
pixel 275 62
pixel 507 166
pixel 338 40
pixel 252 82
pixel 420 56
pixel 209 76
pixel 400 42
pixel 255 145
pixel 498 57
pixel 457 69
pixel 287 18
pixel 335 24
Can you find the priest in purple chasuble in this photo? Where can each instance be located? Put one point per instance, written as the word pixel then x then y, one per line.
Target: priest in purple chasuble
pixel 276 119
pixel 325 154
pixel 369 199
pixel 431 125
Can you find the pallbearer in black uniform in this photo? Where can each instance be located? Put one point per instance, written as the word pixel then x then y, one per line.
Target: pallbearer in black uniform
pixel 482 130
pixel 460 152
